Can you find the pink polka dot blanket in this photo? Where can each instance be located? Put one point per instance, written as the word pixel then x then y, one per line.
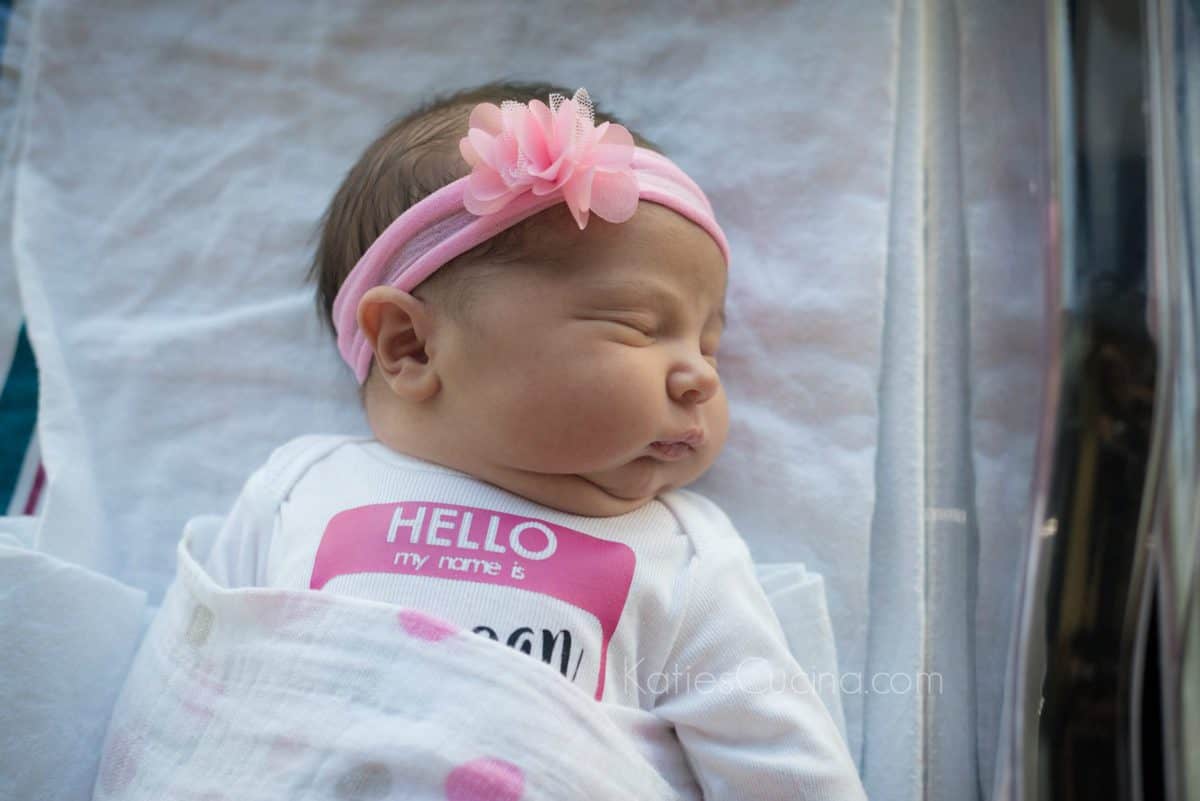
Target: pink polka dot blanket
pixel 254 693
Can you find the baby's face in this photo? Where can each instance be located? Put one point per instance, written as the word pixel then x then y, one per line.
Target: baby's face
pixel 567 374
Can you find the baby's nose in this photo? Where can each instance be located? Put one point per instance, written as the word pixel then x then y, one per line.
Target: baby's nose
pixel 694 381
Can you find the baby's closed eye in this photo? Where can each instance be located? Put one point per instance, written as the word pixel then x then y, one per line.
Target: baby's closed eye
pixel 643 324
pixel 648 329
pixel 645 327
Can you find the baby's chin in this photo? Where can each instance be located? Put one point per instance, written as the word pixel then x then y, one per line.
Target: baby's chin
pixel 602 495
pixel 642 479
pixel 594 493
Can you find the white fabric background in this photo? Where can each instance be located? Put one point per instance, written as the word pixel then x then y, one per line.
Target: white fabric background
pixel 11 55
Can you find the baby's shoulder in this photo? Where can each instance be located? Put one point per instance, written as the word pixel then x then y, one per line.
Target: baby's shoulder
pixel 701 520
pixel 290 461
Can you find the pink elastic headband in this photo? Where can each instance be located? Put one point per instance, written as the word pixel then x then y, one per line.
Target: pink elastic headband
pixel 524 160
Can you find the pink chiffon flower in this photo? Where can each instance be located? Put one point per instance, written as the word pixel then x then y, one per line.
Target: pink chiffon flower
pixel 517 148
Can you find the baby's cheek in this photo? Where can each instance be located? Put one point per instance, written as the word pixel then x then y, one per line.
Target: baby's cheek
pixel 577 375
pixel 716 423
pixel 608 387
pixel 720 417
pixel 579 415
pixel 585 417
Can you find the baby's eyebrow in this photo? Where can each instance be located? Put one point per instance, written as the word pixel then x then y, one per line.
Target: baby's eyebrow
pixel 631 286
pixel 644 290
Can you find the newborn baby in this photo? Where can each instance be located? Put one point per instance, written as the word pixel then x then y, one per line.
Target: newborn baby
pixel 532 304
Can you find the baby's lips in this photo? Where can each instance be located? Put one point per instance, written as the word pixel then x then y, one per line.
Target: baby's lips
pixel 671 450
pixel 694 437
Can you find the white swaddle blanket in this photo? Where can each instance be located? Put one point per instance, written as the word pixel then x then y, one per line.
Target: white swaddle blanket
pixel 264 694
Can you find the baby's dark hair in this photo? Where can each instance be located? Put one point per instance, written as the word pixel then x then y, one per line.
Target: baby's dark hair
pixel 416 156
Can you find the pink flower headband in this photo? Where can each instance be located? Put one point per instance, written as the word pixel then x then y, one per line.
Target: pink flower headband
pixel 524 159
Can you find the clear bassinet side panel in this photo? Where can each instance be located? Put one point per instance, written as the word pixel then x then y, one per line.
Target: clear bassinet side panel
pixel 1103 695
pixel 1174 642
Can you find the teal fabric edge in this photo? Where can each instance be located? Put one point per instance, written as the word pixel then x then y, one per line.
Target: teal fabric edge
pixel 18 415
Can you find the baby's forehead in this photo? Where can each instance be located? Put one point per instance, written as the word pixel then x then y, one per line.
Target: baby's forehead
pixel 647 286
pixel 658 256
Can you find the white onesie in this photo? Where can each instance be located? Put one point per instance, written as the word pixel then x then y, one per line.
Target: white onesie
pixel 639 610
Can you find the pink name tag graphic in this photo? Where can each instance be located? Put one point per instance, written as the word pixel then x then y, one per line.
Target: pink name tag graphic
pixel 464 543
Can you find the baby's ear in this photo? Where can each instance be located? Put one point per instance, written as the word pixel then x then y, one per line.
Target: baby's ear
pixel 397 325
